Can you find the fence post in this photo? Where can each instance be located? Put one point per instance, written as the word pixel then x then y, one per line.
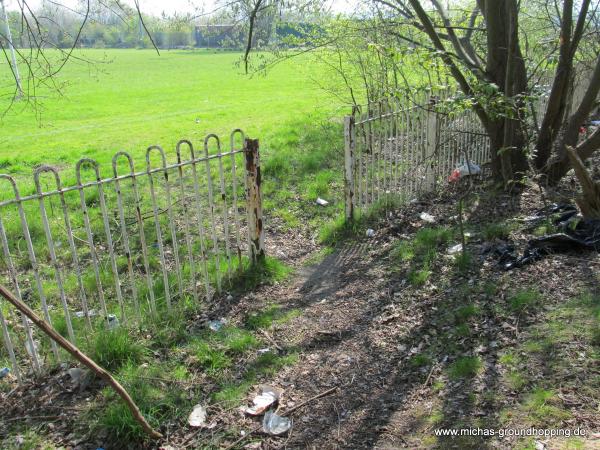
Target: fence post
pixel 254 200
pixel 349 146
pixel 430 149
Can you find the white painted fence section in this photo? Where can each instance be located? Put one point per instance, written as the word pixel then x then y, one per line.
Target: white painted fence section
pixel 98 248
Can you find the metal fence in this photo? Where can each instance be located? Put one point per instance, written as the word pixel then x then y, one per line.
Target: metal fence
pixel 92 250
pixel 406 146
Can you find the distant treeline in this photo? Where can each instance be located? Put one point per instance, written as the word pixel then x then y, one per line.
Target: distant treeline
pixel 122 28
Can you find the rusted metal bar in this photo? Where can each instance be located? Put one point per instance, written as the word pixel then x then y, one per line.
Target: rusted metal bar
pixel 254 200
pixel 52 251
pixel 349 158
pixel 200 222
pixel 186 221
pixel 34 264
pixel 101 247
pixel 431 144
pixel 236 217
pixel 125 233
pixel 35 359
pixel 159 238
pixel 211 208
pixel 89 234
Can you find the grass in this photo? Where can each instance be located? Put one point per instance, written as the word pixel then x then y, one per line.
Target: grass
pixel 496 230
pixel 213 360
pixel 465 367
pixel 115 348
pixel 133 98
pixel 266 271
pixel 165 388
pixel 465 312
pixel 271 315
pixel 463 261
pixel 339 229
pixel 543 407
pixel 524 300
pixel 421 252
pixel 157 402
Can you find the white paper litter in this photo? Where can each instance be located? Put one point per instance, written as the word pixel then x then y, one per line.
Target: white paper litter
pixel 197 417
pixel 268 396
pixel 425 217
pixel 455 249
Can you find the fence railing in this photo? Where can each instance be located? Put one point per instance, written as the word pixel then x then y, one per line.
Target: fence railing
pixel 407 147
pixel 94 250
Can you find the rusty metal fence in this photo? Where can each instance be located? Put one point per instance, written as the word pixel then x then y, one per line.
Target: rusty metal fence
pixel 406 147
pixel 91 251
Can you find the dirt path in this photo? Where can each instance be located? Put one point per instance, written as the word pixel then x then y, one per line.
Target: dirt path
pixel 389 347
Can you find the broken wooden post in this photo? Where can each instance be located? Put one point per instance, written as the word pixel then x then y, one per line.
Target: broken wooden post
pixel 589 200
pixel 84 359
pixel 254 200
pixel 349 146
pixel 431 144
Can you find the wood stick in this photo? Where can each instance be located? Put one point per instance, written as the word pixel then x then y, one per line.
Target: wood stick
pixel 589 201
pixel 84 359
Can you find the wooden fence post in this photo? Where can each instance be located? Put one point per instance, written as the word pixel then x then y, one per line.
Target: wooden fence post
pixel 254 200
pixel 431 144
pixel 349 146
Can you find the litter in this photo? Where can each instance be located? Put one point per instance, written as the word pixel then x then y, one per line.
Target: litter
pixel 267 397
pixel 262 351
pixel 274 424
pixel 574 233
pixel 322 202
pixel 113 321
pixel 464 170
pixel 197 417
pixel 76 374
pixel 370 232
pixel 455 249
pixel 81 314
pixel 556 213
pixel 4 372
pixel 216 325
pixel 426 217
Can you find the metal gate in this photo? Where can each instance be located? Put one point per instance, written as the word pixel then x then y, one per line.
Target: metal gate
pixel 95 248
pixel 406 147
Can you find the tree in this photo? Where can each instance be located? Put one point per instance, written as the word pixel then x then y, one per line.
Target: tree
pixel 483 49
pixel 496 51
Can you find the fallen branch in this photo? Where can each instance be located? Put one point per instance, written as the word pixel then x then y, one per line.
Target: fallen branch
pixel 84 359
pixel 322 394
pixel 589 201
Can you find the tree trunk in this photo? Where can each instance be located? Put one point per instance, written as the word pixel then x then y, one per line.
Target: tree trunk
pixel 502 34
pixel 517 156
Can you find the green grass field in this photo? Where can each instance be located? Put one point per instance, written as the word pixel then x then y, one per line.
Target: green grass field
pixel 130 99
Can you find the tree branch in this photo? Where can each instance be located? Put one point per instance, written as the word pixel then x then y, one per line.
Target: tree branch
pixel 83 358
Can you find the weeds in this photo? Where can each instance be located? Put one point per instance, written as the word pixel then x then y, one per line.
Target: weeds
pixel 524 300
pixel 496 230
pixel 465 367
pixel 112 349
